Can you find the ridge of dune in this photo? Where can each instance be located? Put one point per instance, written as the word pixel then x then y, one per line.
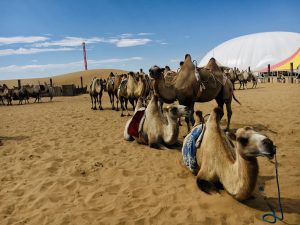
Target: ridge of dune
pixel 68 78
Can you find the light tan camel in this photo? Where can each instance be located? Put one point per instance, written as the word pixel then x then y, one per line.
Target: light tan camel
pixel 159 128
pixel 190 86
pixel 236 168
pixel 137 86
pixel 113 83
pixel 123 96
pixel 96 90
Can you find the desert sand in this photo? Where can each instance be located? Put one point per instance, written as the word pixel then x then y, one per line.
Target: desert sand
pixel 63 163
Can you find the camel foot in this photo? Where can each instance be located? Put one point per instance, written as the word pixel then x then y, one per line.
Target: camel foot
pixel 100 108
pixel 122 115
pixel 95 108
pixel 117 109
pixel 128 114
pixel 113 108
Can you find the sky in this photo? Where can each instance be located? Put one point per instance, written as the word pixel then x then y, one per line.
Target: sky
pixel 44 38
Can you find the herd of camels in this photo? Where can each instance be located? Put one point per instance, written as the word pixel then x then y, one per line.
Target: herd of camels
pixel 223 157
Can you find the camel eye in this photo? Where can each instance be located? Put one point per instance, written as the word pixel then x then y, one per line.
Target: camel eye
pixel 173 110
pixel 244 141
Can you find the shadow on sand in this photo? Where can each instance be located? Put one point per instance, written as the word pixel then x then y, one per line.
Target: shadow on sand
pixel 14 138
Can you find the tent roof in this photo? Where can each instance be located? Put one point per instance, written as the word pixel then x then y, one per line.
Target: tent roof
pixel 255 50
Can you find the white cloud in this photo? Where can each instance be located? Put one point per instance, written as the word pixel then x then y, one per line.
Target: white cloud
pixel 21 39
pixel 70 42
pixel 129 42
pixel 29 51
pixel 163 43
pixel 76 64
pixel 144 34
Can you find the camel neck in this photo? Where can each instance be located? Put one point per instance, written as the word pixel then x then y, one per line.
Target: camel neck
pixel 240 177
pixel 171 131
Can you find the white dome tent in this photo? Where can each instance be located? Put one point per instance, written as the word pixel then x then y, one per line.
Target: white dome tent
pixel 257 51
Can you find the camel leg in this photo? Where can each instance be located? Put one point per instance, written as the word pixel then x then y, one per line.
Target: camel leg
pixel 229 114
pixel 100 102
pixel 126 107
pixel 189 119
pixel 117 103
pixel 92 101
pixel 95 102
pixel 113 101
pixel 122 106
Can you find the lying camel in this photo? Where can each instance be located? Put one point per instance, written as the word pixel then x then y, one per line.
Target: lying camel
pixel 159 128
pixel 236 168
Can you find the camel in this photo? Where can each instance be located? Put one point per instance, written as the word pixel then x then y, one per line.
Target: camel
pixel 191 85
pixel 159 128
pixel 137 87
pixel 96 90
pixel 36 91
pixel 7 94
pixel 231 74
pixel 113 83
pixel 245 77
pixel 235 167
pixel 123 96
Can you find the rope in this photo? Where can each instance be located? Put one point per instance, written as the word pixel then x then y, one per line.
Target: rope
pixel 272 214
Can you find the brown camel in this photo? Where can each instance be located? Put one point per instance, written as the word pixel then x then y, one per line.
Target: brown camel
pixel 159 128
pixel 113 83
pixel 190 86
pixel 236 168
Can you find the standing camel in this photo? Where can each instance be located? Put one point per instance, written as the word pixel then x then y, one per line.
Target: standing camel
pixel 235 167
pixel 137 87
pixel 191 85
pixel 123 96
pixel 96 89
pixel 113 83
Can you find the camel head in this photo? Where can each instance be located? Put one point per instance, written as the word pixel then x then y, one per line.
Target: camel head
pixel 253 144
pixel 188 63
pixel 156 72
pixel 176 111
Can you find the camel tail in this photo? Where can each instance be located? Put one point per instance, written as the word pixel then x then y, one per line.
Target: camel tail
pixel 236 99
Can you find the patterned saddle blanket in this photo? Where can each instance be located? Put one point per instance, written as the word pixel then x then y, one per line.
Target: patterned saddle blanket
pixel 136 124
pixel 190 144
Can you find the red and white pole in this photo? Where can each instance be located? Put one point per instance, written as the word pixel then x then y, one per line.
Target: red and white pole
pixel 84 55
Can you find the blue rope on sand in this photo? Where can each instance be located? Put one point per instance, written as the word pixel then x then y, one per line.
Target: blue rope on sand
pixel 272 214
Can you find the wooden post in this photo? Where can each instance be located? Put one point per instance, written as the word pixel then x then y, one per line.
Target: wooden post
pixel 292 72
pixel 81 81
pixel 249 69
pixel 51 82
pixel 269 69
pixel 19 84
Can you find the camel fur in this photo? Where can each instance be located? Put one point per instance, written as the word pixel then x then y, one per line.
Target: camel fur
pixel 236 168
pixel 195 85
pixel 159 128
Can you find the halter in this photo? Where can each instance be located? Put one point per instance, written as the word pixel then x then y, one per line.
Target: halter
pixel 272 214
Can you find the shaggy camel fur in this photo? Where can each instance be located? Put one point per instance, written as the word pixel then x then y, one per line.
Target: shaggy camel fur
pixel 191 86
pixel 236 168
pixel 137 87
pixel 113 83
pixel 96 90
pixel 159 128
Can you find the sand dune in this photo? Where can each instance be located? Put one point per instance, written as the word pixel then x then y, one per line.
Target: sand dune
pixel 69 78
pixel 63 163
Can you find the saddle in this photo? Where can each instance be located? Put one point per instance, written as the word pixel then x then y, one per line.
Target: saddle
pixel 136 123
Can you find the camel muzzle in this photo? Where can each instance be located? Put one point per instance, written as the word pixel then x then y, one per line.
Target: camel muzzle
pixel 269 148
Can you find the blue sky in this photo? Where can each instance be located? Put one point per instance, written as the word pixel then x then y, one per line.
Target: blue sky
pixel 43 38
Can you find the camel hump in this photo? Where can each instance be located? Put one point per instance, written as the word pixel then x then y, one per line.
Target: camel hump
pixel 213 66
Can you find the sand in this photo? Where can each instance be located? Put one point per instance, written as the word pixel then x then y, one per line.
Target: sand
pixel 63 163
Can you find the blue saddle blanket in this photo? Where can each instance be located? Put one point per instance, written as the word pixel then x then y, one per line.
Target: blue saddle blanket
pixel 190 144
